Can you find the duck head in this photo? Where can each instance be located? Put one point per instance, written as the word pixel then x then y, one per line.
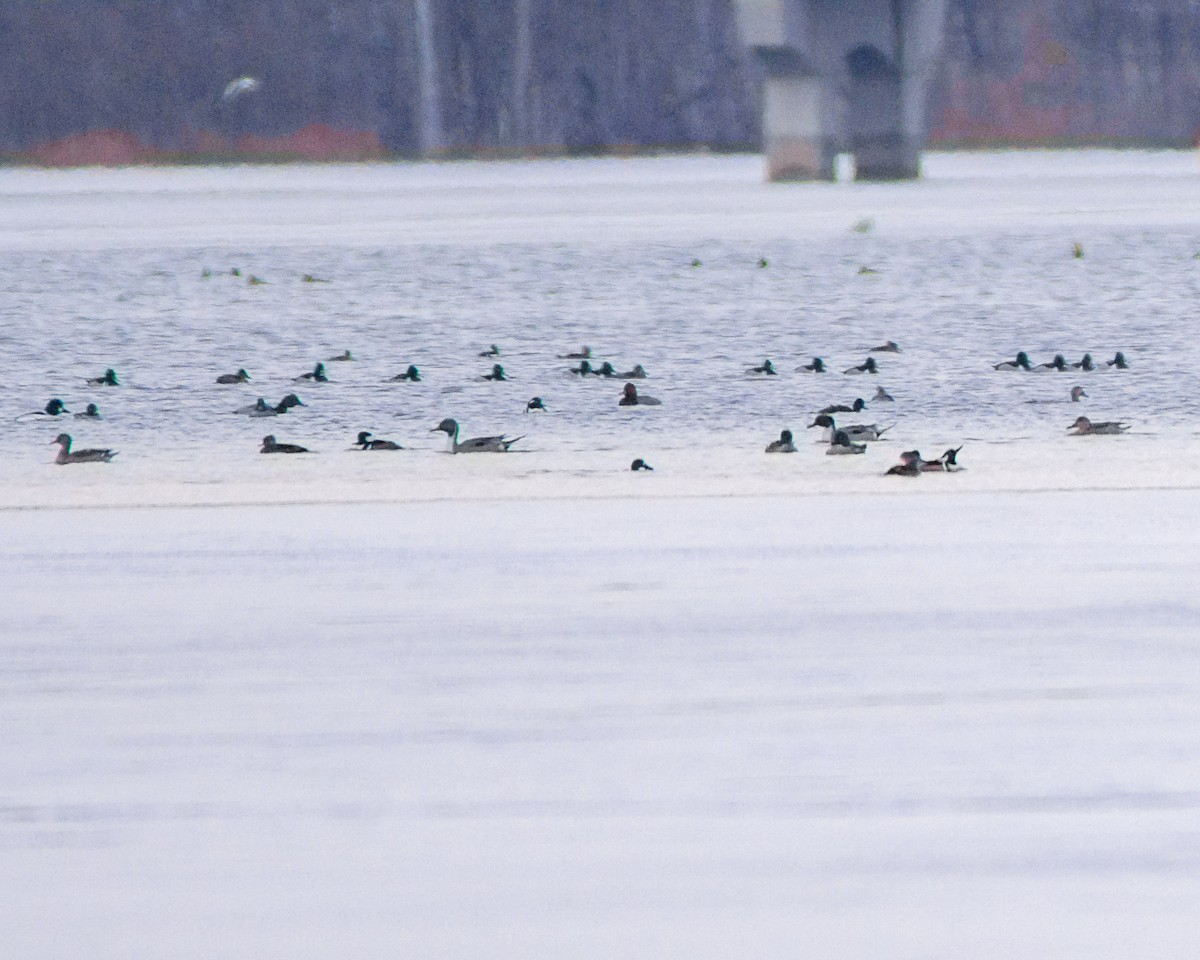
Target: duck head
pixel 1023 360
pixel 1076 393
pixel 640 464
pixel 92 410
pixel 291 400
pixel 1081 423
pixel 363 437
pixel 497 372
pixel 1059 362
pixel 448 426
pixel 55 407
pixel 63 440
pixel 606 369
pixel 817 365
pixel 1118 361
pixel 785 436
pixel 822 420
pixel 859 404
pixel 535 404
pixel 630 392
pixel 110 377
pixel 412 373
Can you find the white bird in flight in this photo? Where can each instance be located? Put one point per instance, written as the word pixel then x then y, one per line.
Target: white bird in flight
pixel 235 88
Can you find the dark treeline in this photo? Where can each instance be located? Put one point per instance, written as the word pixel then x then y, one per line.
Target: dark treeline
pixel 449 76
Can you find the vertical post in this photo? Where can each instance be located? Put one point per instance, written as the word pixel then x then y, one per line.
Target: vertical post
pixel 797 131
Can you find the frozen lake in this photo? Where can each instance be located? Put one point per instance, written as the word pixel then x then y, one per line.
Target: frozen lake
pixel 410 704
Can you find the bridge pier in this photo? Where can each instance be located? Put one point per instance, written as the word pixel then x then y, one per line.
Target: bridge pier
pixel 844 76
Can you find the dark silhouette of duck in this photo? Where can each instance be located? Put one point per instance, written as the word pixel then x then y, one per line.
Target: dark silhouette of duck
pixel 1021 362
pixel 888 347
pixel 269 445
pixel 631 398
pixel 640 464
pixel 108 379
pixel 859 404
pixel 315 375
pixel 411 374
pixel 535 404
pixel 817 366
pixel 584 353
pixel 92 412
pixel 492 351
pixel 240 377
pixel 766 367
pixel 1059 363
pixel 637 373
pixel 1118 361
pixel 584 369
pixel 1085 364
pixel 342 357
pixel 867 366
pixel 783 445
pixel 365 442
pixel 497 373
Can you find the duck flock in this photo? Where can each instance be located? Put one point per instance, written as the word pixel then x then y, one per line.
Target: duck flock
pixel 840 438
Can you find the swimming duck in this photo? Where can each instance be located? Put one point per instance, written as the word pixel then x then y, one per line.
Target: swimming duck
pixel 91 413
pixel 583 354
pixel 311 278
pixel 904 469
pixel 1085 364
pixel 498 444
pixel 497 373
pixel 366 443
pixel 855 431
pixel 867 366
pixel 783 444
pixel 640 464
pixel 817 366
pixel 1020 363
pixel 261 408
pixel 54 408
pixel 859 404
pixel 492 351
pixel 341 357
pixel 1076 393
pixel 882 396
pixel 840 444
pixel 631 398
pixel 605 369
pixel 1059 363
pixel 1118 361
pixel 637 373
pixel 240 377
pixel 109 379
pixel 316 375
pixel 946 463
pixel 412 373
pixel 535 404
pixel 949 460
pixel 270 446
pixel 766 367
pixel 66 455
pixel 1083 427
pixel 583 370
pixel 889 347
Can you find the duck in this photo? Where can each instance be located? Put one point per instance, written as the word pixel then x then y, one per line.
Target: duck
pixel 859 404
pixel 584 353
pixel 1076 393
pixel 261 408
pixel 1085 364
pixel 783 445
pixel 365 442
pixel 535 404
pixel 867 366
pixel 1059 363
pixel 1118 361
pixel 498 444
pixel 584 369
pixel 890 347
pixel 882 396
pixel 55 408
pixel 766 367
pixel 946 463
pixel 1020 363
pixel 949 460
pixel 904 469
pixel 640 464
pixel 1084 427
pixel 855 431
pixel 269 445
pixel 841 444
pixel 313 278
pixel 492 351
pixel 637 373
pixel 412 373
pixel 66 455
pixel 497 373
pixel 341 357
pixel 240 377
pixel 316 375
pixel 631 398
pixel 108 379
pixel 92 412
pixel 817 366
pixel 605 369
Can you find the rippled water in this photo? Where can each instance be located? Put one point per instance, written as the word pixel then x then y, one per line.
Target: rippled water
pixel 431 264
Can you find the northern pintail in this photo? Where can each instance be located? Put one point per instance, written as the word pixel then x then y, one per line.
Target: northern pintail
pixel 631 398
pixel 1083 427
pixel 817 366
pixel 240 377
pixel 946 463
pixel 535 404
pixel 867 366
pixel 855 431
pixel 412 374
pixel 1059 363
pixel 783 445
pixel 859 404
pixel 1020 363
pixel 840 444
pixel 496 374
pixel 766 367
pixel 316 375
pixel 109 379
pixel 66 455
pixel 499 444
pixel 1118 361
pixel 640 464
pixel 269 445
pixel 882 396
pixel 889 347
pixel 1085 364
pixel 585 353
pixel 365 442
pixel 91 413
pixel 341 357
